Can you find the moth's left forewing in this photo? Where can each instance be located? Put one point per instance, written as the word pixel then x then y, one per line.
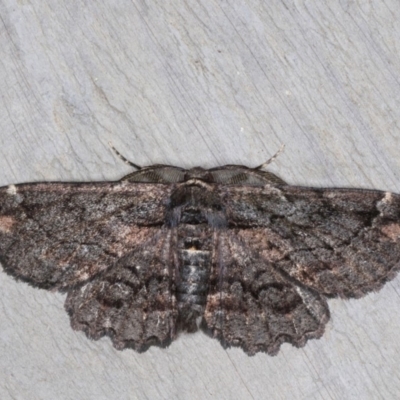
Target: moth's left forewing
pixel 55 235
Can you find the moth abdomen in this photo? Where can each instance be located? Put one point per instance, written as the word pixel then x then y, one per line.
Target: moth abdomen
pixel 194 273
pixel 192 286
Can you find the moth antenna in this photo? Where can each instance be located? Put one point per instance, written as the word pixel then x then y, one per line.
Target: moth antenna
pixel 262 166
pixel 125 160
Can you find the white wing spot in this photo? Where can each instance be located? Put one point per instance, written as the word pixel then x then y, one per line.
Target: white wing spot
pixel 12 190
pixel 83 276
pixel 388 197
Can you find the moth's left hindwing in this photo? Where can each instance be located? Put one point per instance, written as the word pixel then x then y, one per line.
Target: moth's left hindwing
pixel 133 302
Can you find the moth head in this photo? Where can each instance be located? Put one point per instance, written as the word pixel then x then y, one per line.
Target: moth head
pixel 198 173
pixel 228 175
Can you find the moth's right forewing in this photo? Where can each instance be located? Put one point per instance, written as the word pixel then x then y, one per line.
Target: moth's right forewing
pixel 339 242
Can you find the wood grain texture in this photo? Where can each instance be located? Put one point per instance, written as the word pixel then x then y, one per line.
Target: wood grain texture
pixel 199 83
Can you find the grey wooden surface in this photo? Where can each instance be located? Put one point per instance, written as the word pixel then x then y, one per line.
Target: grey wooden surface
pixel 199 83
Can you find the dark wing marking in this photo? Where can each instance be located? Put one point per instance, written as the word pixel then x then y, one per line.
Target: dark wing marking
pixel 131 302
pixel 56 235
pixel 339 242
pixel 253 305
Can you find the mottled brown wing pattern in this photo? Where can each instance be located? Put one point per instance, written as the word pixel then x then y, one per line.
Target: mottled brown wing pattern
pixel 254 305
pixel 132 302
pixel 339 242
pixel 59 235
pixel 235 247
pixel 104 244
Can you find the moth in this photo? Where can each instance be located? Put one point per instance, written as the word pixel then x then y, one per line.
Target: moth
pixel 233 251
